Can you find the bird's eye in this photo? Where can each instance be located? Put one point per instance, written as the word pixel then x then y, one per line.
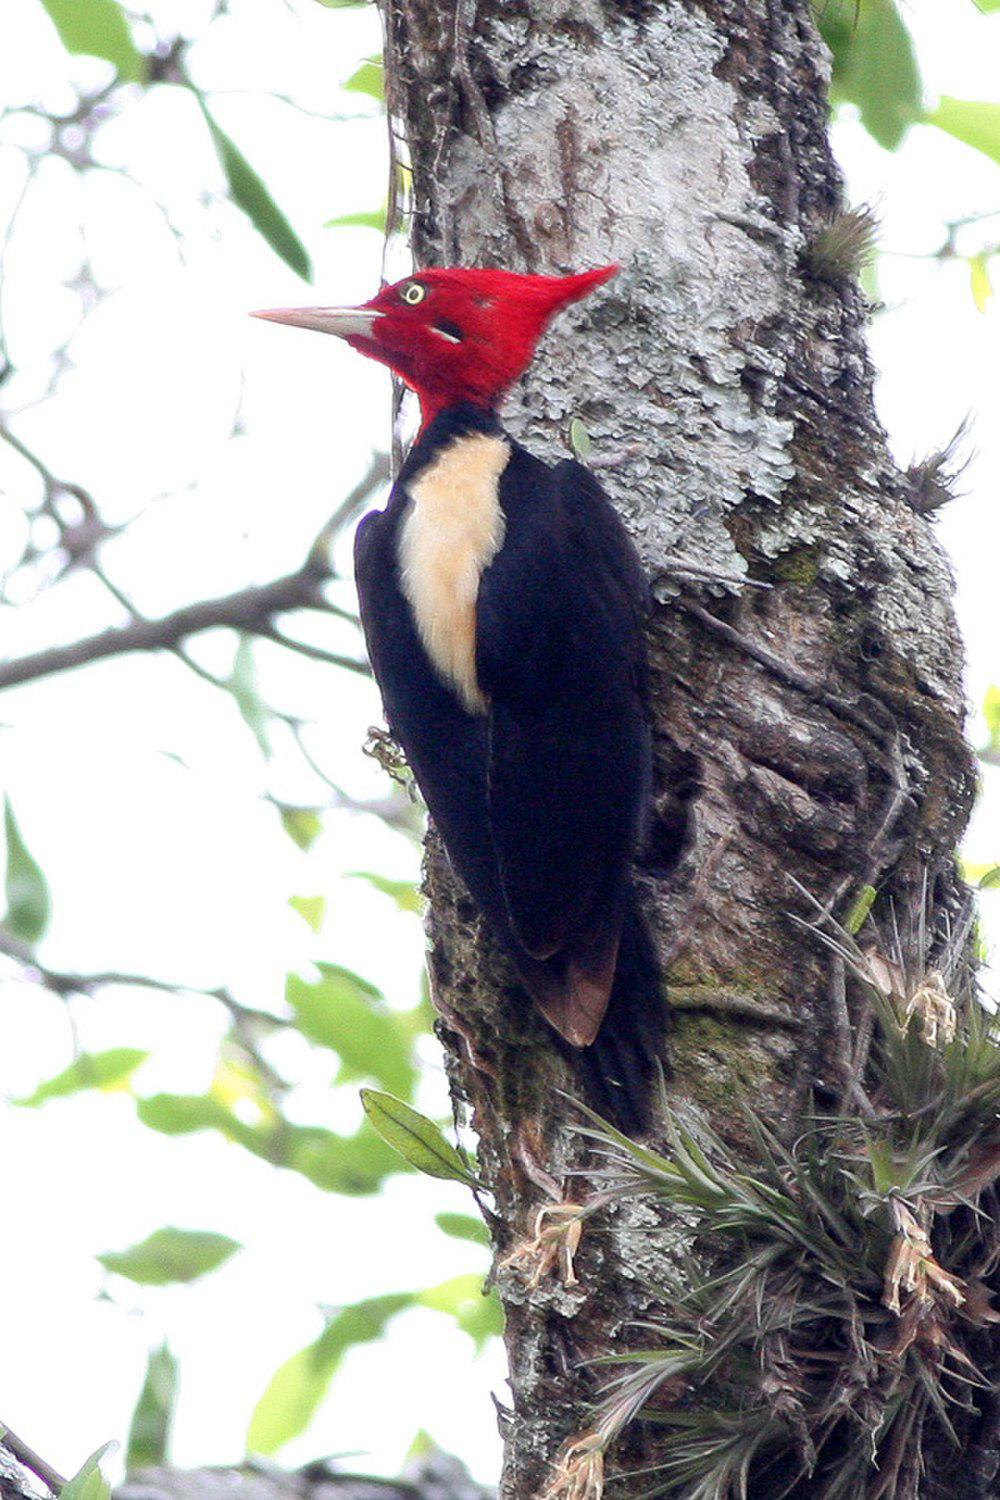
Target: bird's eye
pixel 413 292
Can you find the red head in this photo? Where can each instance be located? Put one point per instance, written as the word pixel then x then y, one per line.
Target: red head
pixel 453 335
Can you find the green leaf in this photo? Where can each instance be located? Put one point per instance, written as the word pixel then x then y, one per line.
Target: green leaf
pixel 353 1165
pixel 417 1139
pixel 368 79
pixel 344 1012
pixel 375 218
pixel 312 909
pixel 28 904
pixel 870 284
pixel 969 120
pixel 476 1312
pixel 298 1386
pixel 991 880
pixel 884 1176
pixel 98 28
pixel 874 66
pixel 183 1114
pixel 579 439
pixel 171 1255
pixel 979 281
pixel 149 1432
pixel 405 893
pixel 986 6
pixel 463 1227
pixel 91 1070
pixel 89 1483
pixel 250 194
pixel 991 713
pixel 302 824
pixel 180 1114
pixel 243 686
pixel 855 919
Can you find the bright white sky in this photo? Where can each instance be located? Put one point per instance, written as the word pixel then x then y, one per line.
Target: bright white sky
pixel 140 790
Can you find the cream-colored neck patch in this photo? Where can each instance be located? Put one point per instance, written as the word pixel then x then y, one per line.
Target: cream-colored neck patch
pixel 453 529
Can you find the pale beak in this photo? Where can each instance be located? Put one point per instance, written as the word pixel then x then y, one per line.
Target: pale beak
pixel 345 322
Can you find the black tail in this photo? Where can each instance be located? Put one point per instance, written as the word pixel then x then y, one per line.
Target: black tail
pixel 622 1068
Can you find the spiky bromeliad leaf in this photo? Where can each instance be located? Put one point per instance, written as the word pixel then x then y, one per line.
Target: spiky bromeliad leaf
pixel 843 245
pixel 934 480
pixel 776 1325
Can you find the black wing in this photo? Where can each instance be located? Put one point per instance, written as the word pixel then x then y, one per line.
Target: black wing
pixel 445 746
pixel 560 655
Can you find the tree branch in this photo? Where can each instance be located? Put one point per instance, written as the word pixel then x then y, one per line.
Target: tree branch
pixel 62 982
pixel 251 609
pixel 31 1460
pixel 245 1018
pixel 248 609
pixel 314 653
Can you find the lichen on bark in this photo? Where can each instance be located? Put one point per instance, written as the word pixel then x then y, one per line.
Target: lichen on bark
pixel 809 729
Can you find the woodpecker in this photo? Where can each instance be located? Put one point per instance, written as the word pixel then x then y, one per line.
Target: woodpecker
pixel 502 603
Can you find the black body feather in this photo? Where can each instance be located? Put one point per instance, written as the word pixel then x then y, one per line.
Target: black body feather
pixel 540 800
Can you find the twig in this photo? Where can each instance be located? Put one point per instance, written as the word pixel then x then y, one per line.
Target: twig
pixel 697 897
pixel 783 670
pixel 119 595
pixel 599 462
pixel 679 566
pixel 723 1002
pixel 33 165
pixel 68 983
pixel 244 1017
pixel 251 609
pixel 31 1460
pixel 895 802
pixel 200 671
pixel 841 1023
pixel 315 653
pixel 864 1031
pixel 248 609
pixel 376 475
pixel 20 447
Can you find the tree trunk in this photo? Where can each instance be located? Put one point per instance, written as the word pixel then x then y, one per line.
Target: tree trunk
pixel 810 729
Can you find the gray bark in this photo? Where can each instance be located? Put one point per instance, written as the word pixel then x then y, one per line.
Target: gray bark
pixel 731 391
pixel 437 1476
